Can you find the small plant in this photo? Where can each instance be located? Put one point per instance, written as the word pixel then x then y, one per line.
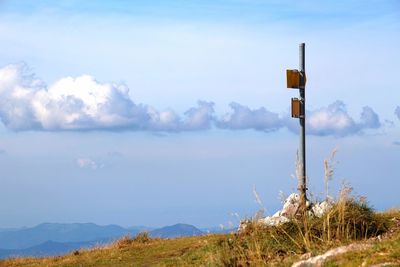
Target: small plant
pixel 123 242
pixel 127 241
pixel 142 237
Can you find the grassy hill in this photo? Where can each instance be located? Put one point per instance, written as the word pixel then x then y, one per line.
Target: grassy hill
pixel 257 246
pixel 54 239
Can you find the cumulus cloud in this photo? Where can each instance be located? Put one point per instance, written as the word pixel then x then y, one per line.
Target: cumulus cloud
pixel 335 120
pixel 82 103
pixel 243 117
pixel 69 104
pixel 330 120
pixel 87 163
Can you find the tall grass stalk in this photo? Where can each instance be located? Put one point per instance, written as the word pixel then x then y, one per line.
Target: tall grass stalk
pixel 329 171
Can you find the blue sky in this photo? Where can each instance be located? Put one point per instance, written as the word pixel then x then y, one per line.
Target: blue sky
pixel 157 112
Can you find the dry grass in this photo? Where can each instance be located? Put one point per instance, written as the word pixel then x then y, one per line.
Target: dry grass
pixel 329 164
pixel 385 250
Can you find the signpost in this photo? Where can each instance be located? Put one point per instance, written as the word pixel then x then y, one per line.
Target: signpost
pixel 296 79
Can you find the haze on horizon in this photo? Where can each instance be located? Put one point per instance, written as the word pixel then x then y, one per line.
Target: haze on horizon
pixel 158 112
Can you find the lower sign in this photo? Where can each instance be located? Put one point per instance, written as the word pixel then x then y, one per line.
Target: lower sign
pixel 296 108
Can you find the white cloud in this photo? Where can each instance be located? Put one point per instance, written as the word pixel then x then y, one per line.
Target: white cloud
pixel 166 120
pixel 331 120
pixel 199 118
pixel 196 118
pixel 82 103
pixel 243 117
pixel 69 104
pixel 87 163
pixel 335 120
pixel 17 89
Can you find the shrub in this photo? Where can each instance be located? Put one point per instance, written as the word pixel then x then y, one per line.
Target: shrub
pixel 123 242
pixel 142 237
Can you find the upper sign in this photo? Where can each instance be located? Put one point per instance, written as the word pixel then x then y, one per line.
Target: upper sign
pixel 293 78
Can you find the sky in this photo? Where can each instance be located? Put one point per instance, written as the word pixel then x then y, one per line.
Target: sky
pixel 159 112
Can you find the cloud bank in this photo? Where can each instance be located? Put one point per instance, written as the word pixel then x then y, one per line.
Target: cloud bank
pixel 83 103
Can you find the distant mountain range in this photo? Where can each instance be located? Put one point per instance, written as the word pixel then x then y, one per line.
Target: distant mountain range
pixel 176 230
pixel 50 239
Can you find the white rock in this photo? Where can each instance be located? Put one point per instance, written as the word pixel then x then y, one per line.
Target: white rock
pixel 289 210
pixel 277 214
pixel 274 221
pixel 243 224
pixel 291 205
pixel 319 209
pixel 320 259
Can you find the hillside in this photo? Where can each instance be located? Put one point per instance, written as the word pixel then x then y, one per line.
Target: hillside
pixel 212 250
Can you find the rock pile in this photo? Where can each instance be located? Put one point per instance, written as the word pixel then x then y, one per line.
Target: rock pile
pixel 290 209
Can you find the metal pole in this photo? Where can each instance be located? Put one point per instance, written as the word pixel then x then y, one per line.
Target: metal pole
pixel 302 152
